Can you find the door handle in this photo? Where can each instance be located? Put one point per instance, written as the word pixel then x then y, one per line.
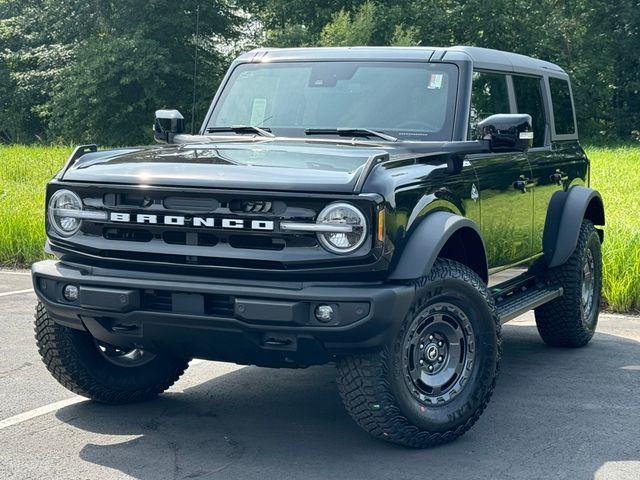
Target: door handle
pixel 558 177
pixel 523 183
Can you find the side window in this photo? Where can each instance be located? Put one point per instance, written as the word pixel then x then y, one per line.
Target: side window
pixel 488 96
pixel 562 108
pixel 528 92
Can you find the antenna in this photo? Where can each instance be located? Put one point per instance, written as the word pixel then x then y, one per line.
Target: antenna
pixel 195 69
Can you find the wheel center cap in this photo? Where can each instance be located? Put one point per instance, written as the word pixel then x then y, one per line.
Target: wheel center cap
pixel 432 352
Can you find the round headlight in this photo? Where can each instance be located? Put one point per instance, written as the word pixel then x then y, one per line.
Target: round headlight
pixel 63 202
pixel 350 228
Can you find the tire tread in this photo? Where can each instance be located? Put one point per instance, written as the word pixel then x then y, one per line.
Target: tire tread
pixel 56 345
pixel 366 392
pixel 559 322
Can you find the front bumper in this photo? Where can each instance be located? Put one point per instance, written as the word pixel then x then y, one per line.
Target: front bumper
pixel 241 321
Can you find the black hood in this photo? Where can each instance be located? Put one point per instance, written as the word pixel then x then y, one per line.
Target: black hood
pixel 261 165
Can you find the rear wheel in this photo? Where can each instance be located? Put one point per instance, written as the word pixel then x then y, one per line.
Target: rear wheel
pixel 102 372
pixel 434 378
pixel 571 320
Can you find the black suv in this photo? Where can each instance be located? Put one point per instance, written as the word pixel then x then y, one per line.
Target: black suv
pixel 386 209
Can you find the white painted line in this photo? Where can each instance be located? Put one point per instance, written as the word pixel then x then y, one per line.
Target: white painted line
pixel 16 292
pixel 12 272
pixel 38 412
pixel 52 407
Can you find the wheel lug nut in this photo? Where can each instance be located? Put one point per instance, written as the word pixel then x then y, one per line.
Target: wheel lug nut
pixel 440 358
pixel 430 337
pixel 421 346
pixel 430 367
pixel 440 344
pixel 421 362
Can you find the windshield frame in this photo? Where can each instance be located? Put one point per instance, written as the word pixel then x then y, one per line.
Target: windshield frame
pixel 447 133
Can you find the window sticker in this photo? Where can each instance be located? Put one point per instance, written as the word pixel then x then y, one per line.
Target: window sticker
pixel 258 110
pixel 435 81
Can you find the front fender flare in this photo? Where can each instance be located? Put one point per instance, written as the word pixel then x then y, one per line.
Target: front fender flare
pixel 427 241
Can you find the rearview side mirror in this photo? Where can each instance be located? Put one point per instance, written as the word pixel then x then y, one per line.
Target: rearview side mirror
pixel 506 132
pixel 167 125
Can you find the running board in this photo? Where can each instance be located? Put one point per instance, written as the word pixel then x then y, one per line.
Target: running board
pixel 514 305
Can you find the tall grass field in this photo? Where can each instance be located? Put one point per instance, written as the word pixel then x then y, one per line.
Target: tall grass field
pixel 24 172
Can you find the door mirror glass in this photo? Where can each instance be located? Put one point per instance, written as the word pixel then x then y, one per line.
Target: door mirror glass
pixel 167 125
pixel 506 132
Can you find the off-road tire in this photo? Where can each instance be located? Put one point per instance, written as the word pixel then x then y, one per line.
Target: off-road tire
pixel 74 360
pixel 562 322
pixel 375 393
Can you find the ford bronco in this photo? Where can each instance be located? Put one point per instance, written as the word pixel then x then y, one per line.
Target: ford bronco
pixel 383 209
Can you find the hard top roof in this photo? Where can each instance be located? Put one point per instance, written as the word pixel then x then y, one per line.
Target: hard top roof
pixel 482 58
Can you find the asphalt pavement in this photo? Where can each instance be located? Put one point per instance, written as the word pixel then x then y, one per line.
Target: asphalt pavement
pixel 555 414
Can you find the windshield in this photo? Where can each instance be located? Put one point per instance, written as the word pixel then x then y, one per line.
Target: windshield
pixel 411 101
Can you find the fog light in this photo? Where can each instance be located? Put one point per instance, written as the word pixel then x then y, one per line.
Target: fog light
pixel 325 313
pixel 70 293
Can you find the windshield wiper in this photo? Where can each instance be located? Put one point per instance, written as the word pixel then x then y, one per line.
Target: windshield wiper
pixel 264 132
pixel 362 132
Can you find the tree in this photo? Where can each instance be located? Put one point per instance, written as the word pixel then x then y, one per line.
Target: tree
pixel 76 70
pixel 96 70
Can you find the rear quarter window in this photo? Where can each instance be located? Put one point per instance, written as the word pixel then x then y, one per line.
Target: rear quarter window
pixel 562 107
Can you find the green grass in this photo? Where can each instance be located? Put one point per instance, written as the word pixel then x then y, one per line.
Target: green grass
pixel 616 174
pixel 24 172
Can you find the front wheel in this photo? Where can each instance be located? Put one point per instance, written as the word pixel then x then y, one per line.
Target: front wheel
pixel 433 380
pixel 101 372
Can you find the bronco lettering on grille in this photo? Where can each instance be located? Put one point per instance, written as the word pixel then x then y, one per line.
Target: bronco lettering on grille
pixel 206 222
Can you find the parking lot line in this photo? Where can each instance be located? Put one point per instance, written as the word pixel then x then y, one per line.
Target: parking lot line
pixel 12 272
pixel 16 292
pixel 37 412
pixel 52 407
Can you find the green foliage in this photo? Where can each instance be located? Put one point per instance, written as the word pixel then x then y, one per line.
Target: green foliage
pixel 404 36
pixel 60 57
pixel 350 29
pixel 110 93
pixel 96 71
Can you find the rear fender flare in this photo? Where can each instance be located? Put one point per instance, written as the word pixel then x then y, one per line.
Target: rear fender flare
pixel 566 211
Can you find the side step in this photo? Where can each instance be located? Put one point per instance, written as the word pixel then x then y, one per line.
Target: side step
pixel 517 303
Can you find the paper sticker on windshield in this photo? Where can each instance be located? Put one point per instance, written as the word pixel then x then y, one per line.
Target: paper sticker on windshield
pixel 435 81
pixel 258 110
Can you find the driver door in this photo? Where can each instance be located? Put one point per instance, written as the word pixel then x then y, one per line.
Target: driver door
pixel 506 212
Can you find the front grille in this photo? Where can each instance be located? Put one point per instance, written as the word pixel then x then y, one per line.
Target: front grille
pixel 246 210
pixel 194 260
pixel 190 238
pixel 127 234
pixel 171 237
pixel 249 240
pixel 256 242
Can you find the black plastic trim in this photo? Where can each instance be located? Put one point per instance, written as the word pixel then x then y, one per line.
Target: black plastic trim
pixel 427 241
pixel 78 152
pixel 367 314
pixel 564 216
